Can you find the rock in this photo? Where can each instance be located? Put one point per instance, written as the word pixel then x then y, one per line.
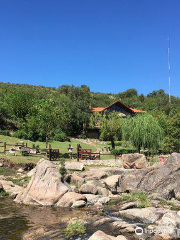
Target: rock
pixel 98 205
pixel 123 227
pixel 112 183
pixel 138 159
pixel 145 215
pixel 20 170
pixel 128 205
pixel 88 188
pixel 159 179
pixel 103 191
pixel 11 188
pixel 79 204
pixel 30 173
pixel 70 198
pixel 75 179
pixel 74 189
pixel 91 198
pixel 74 166
pixel 1 164
pixel 99 235
pixel 103 200
pixel 46 186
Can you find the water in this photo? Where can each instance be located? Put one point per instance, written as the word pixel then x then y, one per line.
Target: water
pixel 15 219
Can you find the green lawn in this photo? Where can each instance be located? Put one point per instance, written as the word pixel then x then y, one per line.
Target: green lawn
pixel 62 146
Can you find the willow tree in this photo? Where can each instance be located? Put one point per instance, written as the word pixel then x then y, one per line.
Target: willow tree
pixel 143 132
pixel 109 124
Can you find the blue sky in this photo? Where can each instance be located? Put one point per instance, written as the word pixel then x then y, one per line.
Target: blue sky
pixel 109 45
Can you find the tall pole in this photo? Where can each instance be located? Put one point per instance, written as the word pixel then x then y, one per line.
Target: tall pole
pixel 169 64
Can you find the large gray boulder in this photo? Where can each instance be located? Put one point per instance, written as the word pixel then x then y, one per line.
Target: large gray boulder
pixel 138 159
pixel 163 179
pixel 46 186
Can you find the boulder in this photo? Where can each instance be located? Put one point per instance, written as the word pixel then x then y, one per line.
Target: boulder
pixel 91 198
pixel 46 186
pixel 159 179
pixel 138 159
pixel 79 204
pixel 145 215
pixel 74 166
pixel 88 188
pixel 99 235
pixel 75 179
pixel 70 198
pixel 11 188
pixel 112 183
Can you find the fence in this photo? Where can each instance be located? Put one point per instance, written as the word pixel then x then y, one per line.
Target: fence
pixel 52 154
pixel 84 154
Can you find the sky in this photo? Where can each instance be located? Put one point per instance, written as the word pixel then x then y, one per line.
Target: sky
pixel 109 45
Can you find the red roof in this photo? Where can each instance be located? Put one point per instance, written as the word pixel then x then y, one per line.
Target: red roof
pixel 137 110
pixel 132 110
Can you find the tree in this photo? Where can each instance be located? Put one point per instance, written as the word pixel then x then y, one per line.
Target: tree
pixel 172 140
pixel 110 127
pixel 143 132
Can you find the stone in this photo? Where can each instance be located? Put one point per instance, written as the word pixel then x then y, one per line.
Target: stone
pixel 1 164
pixel 128 205
pixel 70 198
pixel 138 159
pixel 88 188
pixel 11 188
pixel 103 200
pixel 30 173
pixel 145 215
pixel 99 235
pixel 159 179
pixel 75 179
pixel 112 183
pixel 91 198
pixel 46 186
pixel 74 166
pixel 20 170
pixel 79 204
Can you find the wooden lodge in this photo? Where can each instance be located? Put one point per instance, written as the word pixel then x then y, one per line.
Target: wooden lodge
pixel 117 106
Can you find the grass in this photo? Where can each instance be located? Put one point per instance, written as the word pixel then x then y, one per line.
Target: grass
pixel 141 197
pixel 5 171
pixel 73 229
pixel 23 182
pixel 172 206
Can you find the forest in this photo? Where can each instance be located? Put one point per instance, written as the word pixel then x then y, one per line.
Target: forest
pixel 41 113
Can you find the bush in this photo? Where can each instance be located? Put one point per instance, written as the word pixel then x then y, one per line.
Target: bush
pixel 60 136
pixel 75 228
pixel 122 151
pixel 4 132
pixel 62 169
pixel 20 134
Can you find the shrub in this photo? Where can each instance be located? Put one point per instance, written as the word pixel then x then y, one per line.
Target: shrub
pixel 4 132
pixel 123 151
pixel 75 228
pixel 20 134
pixel 60 136
pixel 62 169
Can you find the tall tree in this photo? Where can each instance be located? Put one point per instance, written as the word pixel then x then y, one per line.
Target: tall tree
pixel 143 132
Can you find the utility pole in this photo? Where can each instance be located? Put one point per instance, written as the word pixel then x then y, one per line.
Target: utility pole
pixel 169 66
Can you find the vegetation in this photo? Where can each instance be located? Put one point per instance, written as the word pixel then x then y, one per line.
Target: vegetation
pixel 40 114
pixel 19 181
pixel 62 169
pixel 143 132
pixel 4 194
pixel 74 228
pixel 172 143
pixel 142 198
